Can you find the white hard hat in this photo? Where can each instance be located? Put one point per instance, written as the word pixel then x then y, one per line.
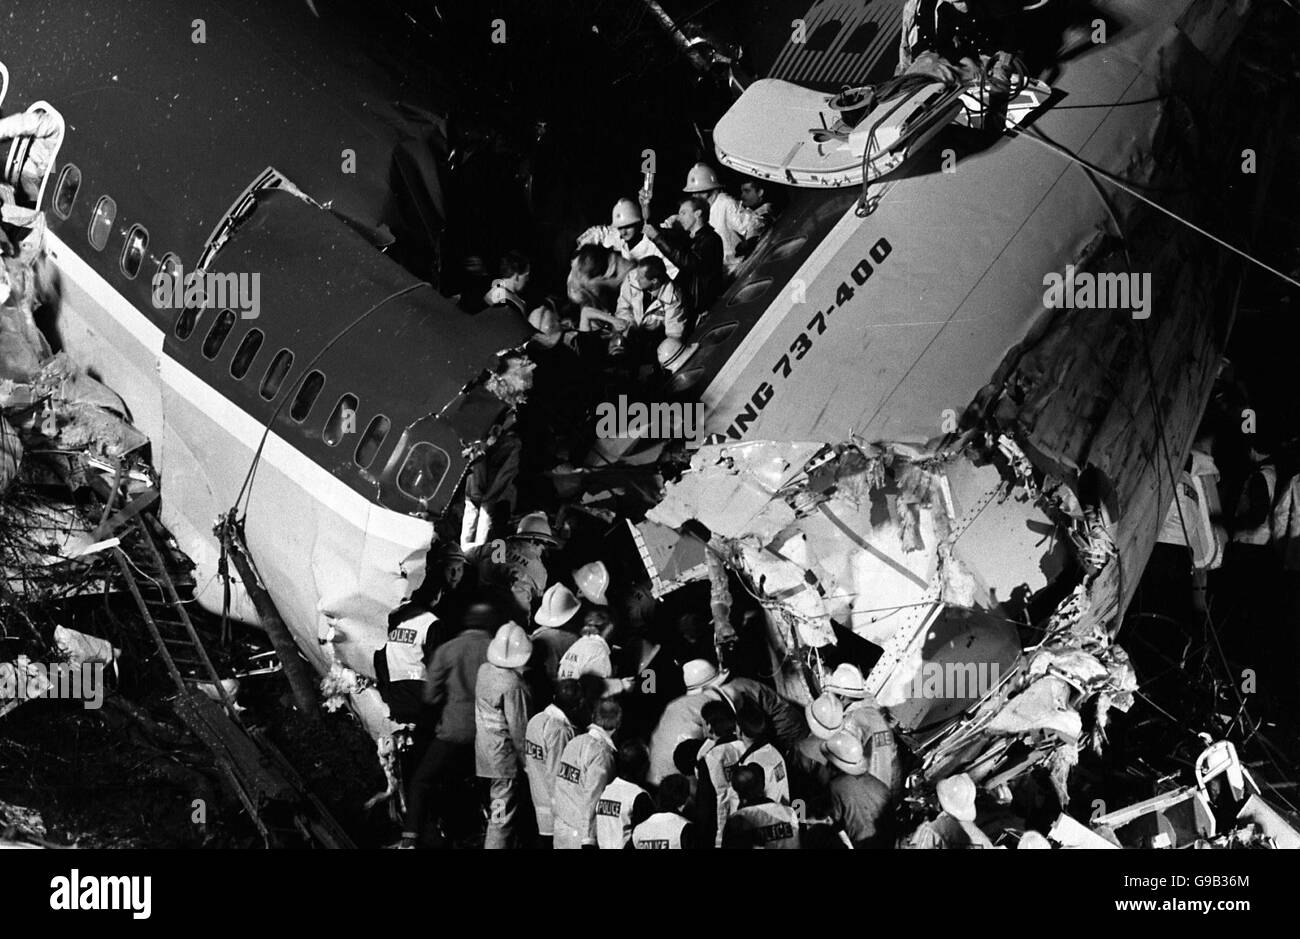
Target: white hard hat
pixel 593 580
pixel 535 526
pixel 702 178
pixel 558 606
pixel 957 797
pixel 847 681
pixel 510 647
pixel 825 716
pixel 699 674
pixel 845 751
pixel 673 353
pixel 1032 839
pixel 626 212
pixel 588 656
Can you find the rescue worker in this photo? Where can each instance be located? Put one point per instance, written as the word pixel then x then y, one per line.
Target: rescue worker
pixel 625 803
pixel 450 692
pixel 648 303
pixel 753 196
pixel 955 825
pixel 758 821
pixel 683 718
pixel 512 278
pixel 859 802
pixel 752 729
pixel 401 662
pixel 554 634
pixel 807 761
pixel 549 732
pixel 786 718
pixel 591 655
pixel 623 234
pixel 697 251
pixel 670 828
pixel 586 767
pixel 518 582
pixel 864 717
pixel 501 711
pixel 725 214
pixel 717 760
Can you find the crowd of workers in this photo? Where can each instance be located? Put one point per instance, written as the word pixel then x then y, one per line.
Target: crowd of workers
pixel 541 702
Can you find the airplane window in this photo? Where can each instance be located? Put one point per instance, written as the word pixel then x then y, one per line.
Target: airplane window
pixel 244 355
pixel 787 248
pixel 422 471
pixel 372 440
pixel 186 322
pixel 169 267
pixel 823 36
pixel 137 240
pixel 751 291
pixel 306 396
pixel 860 39
pixel 715 334
pixel 217 334
pixel 342 421
pixel 101 222
pixel 275 373
pixel 65 190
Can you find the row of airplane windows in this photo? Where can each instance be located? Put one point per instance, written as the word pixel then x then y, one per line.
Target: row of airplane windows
pixel 342 419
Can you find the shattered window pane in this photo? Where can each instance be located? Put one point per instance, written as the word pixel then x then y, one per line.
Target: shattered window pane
pixel 342 421
pixel 245 354
pixel 217 334
pixel 306 396
pixel 65 191
pixel 274 376
pixel 422 472
pixel 372 440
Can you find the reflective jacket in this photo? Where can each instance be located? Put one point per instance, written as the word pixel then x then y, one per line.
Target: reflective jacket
pixel 776 782
pixel 501 704
pixel 868 722
pixel 615 812
pixel 549 732
pixel 765 825
pixel 659 831
pixel 406 647
pixel 716 794
pixel 586 767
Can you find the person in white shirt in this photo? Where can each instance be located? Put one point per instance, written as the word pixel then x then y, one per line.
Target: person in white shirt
pixel 625 803
pixel 549 732
pixel 586 767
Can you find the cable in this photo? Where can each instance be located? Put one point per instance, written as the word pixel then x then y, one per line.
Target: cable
pixel 1034 135
pixel 246 488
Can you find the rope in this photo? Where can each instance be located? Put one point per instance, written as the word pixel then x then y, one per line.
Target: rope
pixel 1032 134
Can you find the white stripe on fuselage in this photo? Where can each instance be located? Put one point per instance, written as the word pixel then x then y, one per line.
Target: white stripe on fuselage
pixel 305 472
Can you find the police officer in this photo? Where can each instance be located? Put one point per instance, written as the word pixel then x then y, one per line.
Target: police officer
pixel 759 822
pixel 586 767
pixel 669 828
pixel 717 761
pixel 401 662
pixel 759 751
pixel 549 732
pixel 625 803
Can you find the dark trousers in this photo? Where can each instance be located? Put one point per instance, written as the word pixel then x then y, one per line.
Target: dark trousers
pixel 443 763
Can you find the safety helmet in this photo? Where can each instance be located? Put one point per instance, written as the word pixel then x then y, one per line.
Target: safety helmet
pixel 510 647
pixel 626 212
pixel 957 796
pixel 593 580
pixel 847 682
pixel 845 751
pixel 590 655
pixel 534 526
pixel 673 353
pixel 825 716
pixel 558 606
pixel 1032 839
pixel 699 674
pixel 702 178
